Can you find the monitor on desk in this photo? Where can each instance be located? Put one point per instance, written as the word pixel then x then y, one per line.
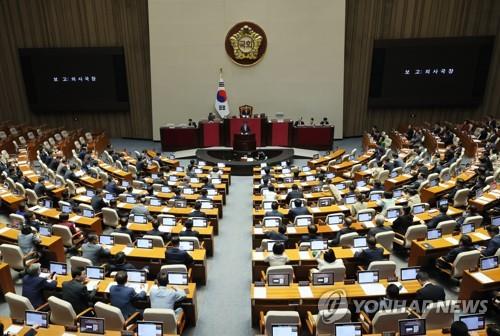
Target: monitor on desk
pixel 363 167
pixel 221 165
pixel 479 193
pixel 360 242
pixel 340 186
pixel 330 175
pixel 45 230
pixel 168 221
pixel 434 182
pixel 95 272
pixel 188 191
pixel 350 199
pixel 199 222
pixel 285 330
pixel 306 169
pixel 495 221
pixel 303 221
pixel 310 178
pixel 367 277
pixel 283 164
pixel 278 280
pixel 319 245
pixel 473 321
pixel 47 204
pixel 146 328
pixel 140 219
pixel 172 178
pixel 487 263
pixel 267 205
pixel 360 183
pixel 322 279
pixel 194 180
pixel 446 177
pixel 324 202
pixel 335 219
pixel 211 192
pixel 434 234
pixel 348 329
pixel 412 327
pixel 365 217
pixel 92 325
pixel 409 273
pixel 109 197
pixel 154 176
pixel 130 199
pixel 136 276
pixel 393 213
pixel 165 189
pixel 288 179
pixel 186 245
pixel 177 278
pixel 90 193
pixel 397 193
pixel 66 208
pixel 125 183
pixel 145 243
pixel 107 240
pixel 442 202
pixel 58 268
pixel 467 228
pixel 180 203
pixel 418 209
pixel 88 213
pixel 216 181
pixel 375 196
pixel 198 171
pixel 393 174
pixel 206 204
pixel 271 221
pixel 179 169
pixel 286 171
pixel 36 318
pixel 155 202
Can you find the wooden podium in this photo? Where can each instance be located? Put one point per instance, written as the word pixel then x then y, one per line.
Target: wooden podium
pixel 244 142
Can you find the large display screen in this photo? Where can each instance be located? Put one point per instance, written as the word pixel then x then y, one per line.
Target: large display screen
pixel 430 72
pixel 75 79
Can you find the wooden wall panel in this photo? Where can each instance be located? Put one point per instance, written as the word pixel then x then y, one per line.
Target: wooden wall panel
pixel 77 23
pixel 368 20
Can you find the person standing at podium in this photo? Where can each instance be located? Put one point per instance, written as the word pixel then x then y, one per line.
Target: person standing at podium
pixel 245 129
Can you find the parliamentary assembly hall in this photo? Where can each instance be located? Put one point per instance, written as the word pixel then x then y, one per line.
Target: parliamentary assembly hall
pixel 250 167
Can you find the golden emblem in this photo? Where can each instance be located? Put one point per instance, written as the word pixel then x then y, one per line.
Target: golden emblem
pixel 246 43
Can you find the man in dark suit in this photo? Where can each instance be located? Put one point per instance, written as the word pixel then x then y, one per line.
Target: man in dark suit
pixel 197 211
pixel 70 173
pixel 464 245
pixel 494 243
pixel 124 229
pixel 379 226
pixel 294 193
pixel 274 211
pixel 372 253
pixel 175 255
pixel 297 211
pixel 75 291
pixel 312 231
pixel 280 235
pixel 123 297
pixel 429 292
pixel 189 230
pixel 34 285
pixel 113 188
pixel 119 263
pixel 156 231
pixel 97 202
pixel 40 188
pixel 439 218
pixel 402 223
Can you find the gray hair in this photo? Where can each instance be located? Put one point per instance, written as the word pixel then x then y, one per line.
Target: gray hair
pixel 33 269
pixel 379 220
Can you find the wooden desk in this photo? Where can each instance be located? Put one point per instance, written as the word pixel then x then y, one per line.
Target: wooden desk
pixel 398 181
pixel 305 185
pixel 87 224
pixel 6 283
pixel 116 172
pixel 430 194
pixel 346 165
pixel 487 201
pixel 155 257
pixel 290 298
pixel 89 181
pixel 323 160
pixel 54 243
pixel 10 199
pixel 420 255
pixel 472 286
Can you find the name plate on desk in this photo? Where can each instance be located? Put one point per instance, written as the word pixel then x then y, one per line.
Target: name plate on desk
pixel 334 227
pixel 258 231
pixel 451 240
pixel 315 209
pixel 305 292
pixel 481 236
pixel 291 230
pixel 304 255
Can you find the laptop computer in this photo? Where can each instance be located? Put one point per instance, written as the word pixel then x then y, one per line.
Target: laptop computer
pixel 95 274
pixel 271 222
pixel 58 268
pixel 139 219
pixel 412 327
pixel 487 263
pixel 319 245
pixel 66 209
pixel 146 328
pixel 322 279
pixel 92 325
pixel 88 213
pixel 350 199
pixel 186 245
pixel 136 279
pixel 365 217
pixel 434 234
pixel 393 213
pixel 473 321
pixel 45 230
pixel 145 243
pixel 36 318
pixel 375 196
pixel 334 219
pixel 177 278
pixel 360 243
pixel 303 221
pixel 278 280
pixel 348 329
pixel 418 209
pixel 47 204
pixel 200 222
pixel 409 273
pixel 467 228
pixel 367 277
pixel 396 193
pixel 107 240
pixel 285 330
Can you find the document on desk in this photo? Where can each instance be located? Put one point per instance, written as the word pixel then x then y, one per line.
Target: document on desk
pixel 74 218
pixel 165 209
pixel 368 224
pixel 343 208
pixel 259 292
pixel 482 278
pixel 165 228
pixel 481 236
pixel 304 255
pixel 373 289
pixel 305 292
pixel 334 227
pixel 451 240
pixel 258 256
pixel 13 329
pixel 258 231
pixel 127 250
pixel 291 230
pixel 315 209
pixel 4 229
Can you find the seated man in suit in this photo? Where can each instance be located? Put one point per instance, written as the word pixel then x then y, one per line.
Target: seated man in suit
pixel 390 301
pixel 379 226
pixel 403 222
pixel 156 231
pixel 124 229
pixel 346 229
pixel 439 218
pixel 197 211
pixel 294 193
pixel 280 235
pixel 189 232
pixel 464 245
pixel 123 297
pixel 372 253
pixel 93 251
pixel 97 201
pixel 429 292
pixel 119 263
pixel 75 291
pixel 274 211
pixel 40 188
pixel 297 211
pixel 34 285
pixel 312 234
pixel 175 255
pixel 494 243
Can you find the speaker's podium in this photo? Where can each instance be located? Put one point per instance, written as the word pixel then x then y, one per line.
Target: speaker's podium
pixel 244 142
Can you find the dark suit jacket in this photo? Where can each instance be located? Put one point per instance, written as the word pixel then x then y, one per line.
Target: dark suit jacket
pixel 493 246
pixel 274 235
pixel 123 296
pixel 431 293
pixel 33 289
pixel 189 233
pixel 76 293
pixel 452 255
pixel 40 189
pixel 273 213
pixel 97 203
pixel 292 213
pixel 164 235
pixel 368 255
pixel 196 213
pixel 438 219
pixel 402 223
pixel 175 255
pixel 293 194
pixel 309 237
pixel 375 230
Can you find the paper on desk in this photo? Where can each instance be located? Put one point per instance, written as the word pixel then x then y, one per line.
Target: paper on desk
pixel 13 329
pixel 165 228
pixel 258 231
pixel 315 209
pixel 127 250
pixel 4 229
pixel 74 218
pixel 402 289
pixel 259 292
pixel 304 255
pixel 368 225
pixel 258 256
pixel 343 208
pixel 373 289
pixel 291 230
pixel 481 236
pixel 482 277
pixel 451 240
pixel 334 227
pixel 305 292
pixel 165 209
